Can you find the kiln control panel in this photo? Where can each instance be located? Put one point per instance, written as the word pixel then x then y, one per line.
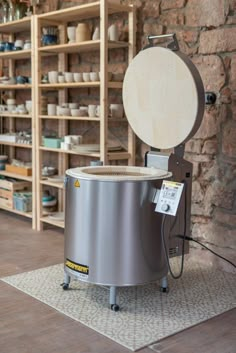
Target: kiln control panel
pixel 169 197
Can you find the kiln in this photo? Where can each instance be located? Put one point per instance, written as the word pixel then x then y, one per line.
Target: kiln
pixel 115 231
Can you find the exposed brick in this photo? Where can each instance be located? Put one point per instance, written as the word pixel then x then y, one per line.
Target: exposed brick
pixel 229 140
pixel 212 71
pixel 189 37
pixel 222 216
pixel 152 28
pixel 193 146
pixel 210 125
pixel 197 192
pixel 151 9
pixel 213 233
pixel 232 81
pixel 210 171
pixel 172 4
pixel 218 40
pixel 206 13
pixel 210 147
pixel 172 18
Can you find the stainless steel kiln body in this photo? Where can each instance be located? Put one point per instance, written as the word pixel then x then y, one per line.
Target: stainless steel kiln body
pixel 112 233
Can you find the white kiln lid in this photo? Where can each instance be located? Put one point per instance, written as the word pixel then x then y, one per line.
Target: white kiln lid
pixel 118 173
pixel 163 97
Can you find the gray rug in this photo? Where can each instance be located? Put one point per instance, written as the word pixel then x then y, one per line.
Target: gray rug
pixel 146 315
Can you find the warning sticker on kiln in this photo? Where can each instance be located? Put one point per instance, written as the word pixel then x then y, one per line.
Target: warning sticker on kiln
pixel 77 183
pixel 83 270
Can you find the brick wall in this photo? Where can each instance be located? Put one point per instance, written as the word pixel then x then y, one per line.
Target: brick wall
pixel 206 31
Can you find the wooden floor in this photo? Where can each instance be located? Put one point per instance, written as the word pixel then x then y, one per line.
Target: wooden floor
pixel 29 326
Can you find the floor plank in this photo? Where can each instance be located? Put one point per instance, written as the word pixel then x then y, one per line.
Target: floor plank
pixel 27 325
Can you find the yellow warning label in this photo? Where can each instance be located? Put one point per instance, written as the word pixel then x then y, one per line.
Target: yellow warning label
pixel 77 267
pixel 77 183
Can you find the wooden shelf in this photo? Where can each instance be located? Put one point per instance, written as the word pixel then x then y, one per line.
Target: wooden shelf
pixel 17 26
pixel 68 85
pixel 10 115
pixel 79 47
pixel 18 86
pixel 113 156
pixel 50 183
pixel 22 145
pixel 82 12
pixel 16 54
pixel 59 150
pixel 16 176
pixel 46 219
pixel 25 214
pixel 69 117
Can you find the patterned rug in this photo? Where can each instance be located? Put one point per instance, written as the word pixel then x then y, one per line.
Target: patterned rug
pixel 146 314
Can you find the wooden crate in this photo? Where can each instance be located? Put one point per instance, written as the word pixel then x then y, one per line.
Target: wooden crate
pixel 18 170
pixel 7 189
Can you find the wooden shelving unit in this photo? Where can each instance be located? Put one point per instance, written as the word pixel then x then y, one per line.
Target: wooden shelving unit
pixel 12 30
pixel 98 10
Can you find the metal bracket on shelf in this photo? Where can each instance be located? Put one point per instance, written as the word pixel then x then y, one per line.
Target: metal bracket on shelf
pixel 173 45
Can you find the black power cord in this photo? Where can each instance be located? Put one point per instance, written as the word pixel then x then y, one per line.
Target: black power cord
pixel 184 237
pixel 204 246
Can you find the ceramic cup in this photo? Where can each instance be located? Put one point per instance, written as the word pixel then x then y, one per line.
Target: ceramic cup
pixel 53 76
pixel 19 43
pixel 75 112
pixel 82 32
pixel 65 111
pixel 67 146
pixel 61 79
pixel 92 109
pixel 52 109
pixel 73 105
pixel 116 110
pixel 94 76
pixel 78 76
pixel 69 77
pixel 86 76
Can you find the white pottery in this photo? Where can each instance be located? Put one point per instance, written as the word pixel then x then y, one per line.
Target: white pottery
pixel 69 77
pixel 96 33
pixel 53 76
pixel 113 32
pixel 86 76
pixel 71 33
pixel 92 109
pixel 94 76
pixel 116 110
pixel 78 76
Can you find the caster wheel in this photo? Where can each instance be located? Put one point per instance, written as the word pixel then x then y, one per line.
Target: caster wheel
pixel 115 307
pixel 164 289
pixel 65 286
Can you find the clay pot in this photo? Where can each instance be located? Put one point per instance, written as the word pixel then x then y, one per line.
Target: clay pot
pixel 83 32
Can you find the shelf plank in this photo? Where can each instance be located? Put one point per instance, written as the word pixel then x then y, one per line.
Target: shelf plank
pixel 10 115
pixel 68 85
pixel 16 54
pixel 45 219
pixel 25 214
pixel 113 156
pixel 50 183
pixel 80 47
pixel 16 176
pixel 85 11
pixel 17 86
pixel 113 84
pixel 59 150
pixel 16 26
pixel 69 117
pixel 23 145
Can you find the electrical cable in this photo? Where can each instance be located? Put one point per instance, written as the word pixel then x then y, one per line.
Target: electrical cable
pixel 183 237
pixel 204 246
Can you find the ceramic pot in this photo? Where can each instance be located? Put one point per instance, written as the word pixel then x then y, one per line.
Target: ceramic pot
pixel 96 34
pixel 83 32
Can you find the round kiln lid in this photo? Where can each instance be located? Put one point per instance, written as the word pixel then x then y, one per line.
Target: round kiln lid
pixel 118 173
pixel 163 97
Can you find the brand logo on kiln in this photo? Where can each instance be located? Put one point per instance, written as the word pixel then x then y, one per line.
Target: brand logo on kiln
pixel 77 267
